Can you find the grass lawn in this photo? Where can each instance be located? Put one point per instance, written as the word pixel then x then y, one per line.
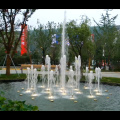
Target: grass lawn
pixel 12 76
pixel 105 80
pixel 110 80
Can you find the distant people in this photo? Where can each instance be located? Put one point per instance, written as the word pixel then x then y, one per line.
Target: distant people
pixel 21 70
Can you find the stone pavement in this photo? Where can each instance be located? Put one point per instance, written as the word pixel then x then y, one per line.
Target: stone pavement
pixel 104 74
pixel 111 74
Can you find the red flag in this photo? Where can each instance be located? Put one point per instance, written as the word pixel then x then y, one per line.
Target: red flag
pixel 23 40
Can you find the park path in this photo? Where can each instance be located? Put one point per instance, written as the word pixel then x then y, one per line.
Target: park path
pixel 104 74
pixel 111 74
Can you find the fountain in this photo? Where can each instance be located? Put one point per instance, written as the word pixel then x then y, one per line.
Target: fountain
pixel 90 85
pixel 71 80
pixel 43 75
pixel 77 71
pixel 47 62
pixel 63 71
pixel 57 81
pixel 63 35
pixel 56 75
pixel 35 80
pixel 32 81
pixel 63 56
pixel 90 77
pixel 28 80
pixel 98 76
pixel 52 79
pixel 86 78
pixel 65 89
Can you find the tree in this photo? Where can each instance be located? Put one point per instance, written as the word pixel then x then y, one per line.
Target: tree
pixel 55 52
pixel 116 58
pixel 106 34
pixel 79 38
pixel 29 43
pixel 42 37
pixel 8 28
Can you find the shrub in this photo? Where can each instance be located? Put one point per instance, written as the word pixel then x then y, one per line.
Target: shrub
pixel 10 105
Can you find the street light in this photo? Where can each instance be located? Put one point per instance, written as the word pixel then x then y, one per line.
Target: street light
pixel 103 51
pixel 104 54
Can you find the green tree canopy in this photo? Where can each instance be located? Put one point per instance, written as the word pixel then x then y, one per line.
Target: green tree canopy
pixel 80 38
pixel 42 37
pixel 106 35
pixel 8 26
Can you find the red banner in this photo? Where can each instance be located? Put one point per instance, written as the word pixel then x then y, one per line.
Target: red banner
pixel 23 39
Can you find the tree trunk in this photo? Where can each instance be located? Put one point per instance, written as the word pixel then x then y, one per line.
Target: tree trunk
pixel 43 57
pixel 89 62
pixel 30 58
pixel 109 61
pixel 81 69
pixel 8 63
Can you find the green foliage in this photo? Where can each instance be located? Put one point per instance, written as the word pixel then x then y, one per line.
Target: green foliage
pixel 41 41
pixel 77 34
pixel 10 105
pixel 2 55
pixel 106 37
pixel 21 60
pixel 2 99
pixel 9 25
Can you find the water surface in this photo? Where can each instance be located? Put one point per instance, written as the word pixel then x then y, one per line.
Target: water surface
pixel 109 101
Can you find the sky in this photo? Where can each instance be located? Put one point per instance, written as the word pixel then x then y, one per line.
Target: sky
pixel 57 15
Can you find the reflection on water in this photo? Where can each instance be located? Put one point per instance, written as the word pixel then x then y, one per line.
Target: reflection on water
pixel 55 101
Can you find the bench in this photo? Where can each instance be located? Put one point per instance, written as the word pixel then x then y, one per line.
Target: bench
pixel 35 66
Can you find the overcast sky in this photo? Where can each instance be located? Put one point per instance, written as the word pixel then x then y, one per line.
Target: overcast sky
pixel 57 15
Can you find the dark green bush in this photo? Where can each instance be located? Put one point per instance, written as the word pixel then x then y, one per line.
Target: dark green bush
pixel 10 105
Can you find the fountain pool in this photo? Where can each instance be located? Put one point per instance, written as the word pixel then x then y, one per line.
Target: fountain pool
pixel 109 101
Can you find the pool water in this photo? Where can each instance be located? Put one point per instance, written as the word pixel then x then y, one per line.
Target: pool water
pixel 108 101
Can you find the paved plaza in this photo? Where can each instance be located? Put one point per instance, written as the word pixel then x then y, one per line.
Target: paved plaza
pixel 111 74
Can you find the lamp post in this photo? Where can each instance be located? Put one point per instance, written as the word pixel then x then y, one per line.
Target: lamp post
pixel 104 54
pixel 42 55
pixel 81 44
pixel 103 57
